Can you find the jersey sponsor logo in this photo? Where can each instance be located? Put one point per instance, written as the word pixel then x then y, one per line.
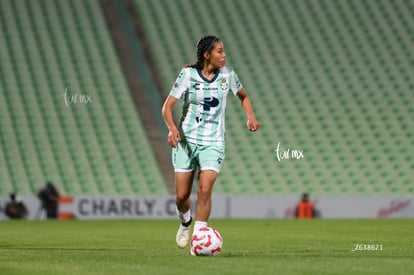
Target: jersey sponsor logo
pixel 199 120
pixel 196 87
pixel 210 102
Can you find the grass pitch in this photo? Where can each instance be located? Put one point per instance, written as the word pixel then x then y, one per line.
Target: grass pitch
pixel 250 247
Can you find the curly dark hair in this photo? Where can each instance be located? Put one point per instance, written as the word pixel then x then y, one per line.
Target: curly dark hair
pixel 205 44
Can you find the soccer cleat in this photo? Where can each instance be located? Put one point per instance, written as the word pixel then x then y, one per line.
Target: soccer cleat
pixel 183 236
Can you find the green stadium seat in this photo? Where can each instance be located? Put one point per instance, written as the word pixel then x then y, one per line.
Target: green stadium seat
pixel 316 73
pixel 331 78
pixel 83 149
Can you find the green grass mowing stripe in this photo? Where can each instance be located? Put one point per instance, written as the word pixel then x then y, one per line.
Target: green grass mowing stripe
pixel 250 247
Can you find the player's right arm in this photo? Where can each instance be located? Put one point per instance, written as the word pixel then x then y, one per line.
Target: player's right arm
pixel 178 89
pixel 173 133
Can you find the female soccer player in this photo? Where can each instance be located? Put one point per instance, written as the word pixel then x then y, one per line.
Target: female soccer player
pixel 198 141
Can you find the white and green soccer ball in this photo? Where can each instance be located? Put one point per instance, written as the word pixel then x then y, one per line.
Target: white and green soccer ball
pixel 206 242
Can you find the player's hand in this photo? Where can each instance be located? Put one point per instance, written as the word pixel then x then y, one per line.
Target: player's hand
pixel 173 138
pixel 253 125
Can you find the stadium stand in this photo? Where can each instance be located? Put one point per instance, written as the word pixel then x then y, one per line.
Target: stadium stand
pixel 329 78
pixel 66 111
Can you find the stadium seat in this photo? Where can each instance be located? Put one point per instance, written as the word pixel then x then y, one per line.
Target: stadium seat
pixel 330 78
pixel 50 46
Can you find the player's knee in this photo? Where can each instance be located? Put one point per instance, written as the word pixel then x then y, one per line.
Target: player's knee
pixel 204 192
pixel 182 197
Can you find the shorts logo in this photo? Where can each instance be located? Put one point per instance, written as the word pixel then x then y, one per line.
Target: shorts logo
pixel 219 160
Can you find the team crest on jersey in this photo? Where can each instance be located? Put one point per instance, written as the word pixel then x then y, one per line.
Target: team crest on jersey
pixel 175 85
pixel 224 84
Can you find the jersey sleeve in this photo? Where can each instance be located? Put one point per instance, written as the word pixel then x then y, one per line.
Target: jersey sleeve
pixel 235 84
pixel 180 85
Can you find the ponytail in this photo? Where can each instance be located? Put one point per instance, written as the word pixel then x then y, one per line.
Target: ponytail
pixel 205 44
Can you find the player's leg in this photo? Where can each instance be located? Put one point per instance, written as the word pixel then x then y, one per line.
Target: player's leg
pixel 184 167
pixel 210 158
pixel 183 185
pixel 205 188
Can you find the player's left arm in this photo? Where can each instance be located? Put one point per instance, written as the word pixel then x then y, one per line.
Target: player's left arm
pixel 252 124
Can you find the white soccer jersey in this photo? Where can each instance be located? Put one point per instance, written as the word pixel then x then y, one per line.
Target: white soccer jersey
pixel 203 116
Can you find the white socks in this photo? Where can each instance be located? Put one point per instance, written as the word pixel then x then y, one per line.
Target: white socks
pixel 184 217
pixel 198 225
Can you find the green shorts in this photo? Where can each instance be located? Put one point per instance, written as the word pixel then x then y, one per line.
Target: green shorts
pixel 188 156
